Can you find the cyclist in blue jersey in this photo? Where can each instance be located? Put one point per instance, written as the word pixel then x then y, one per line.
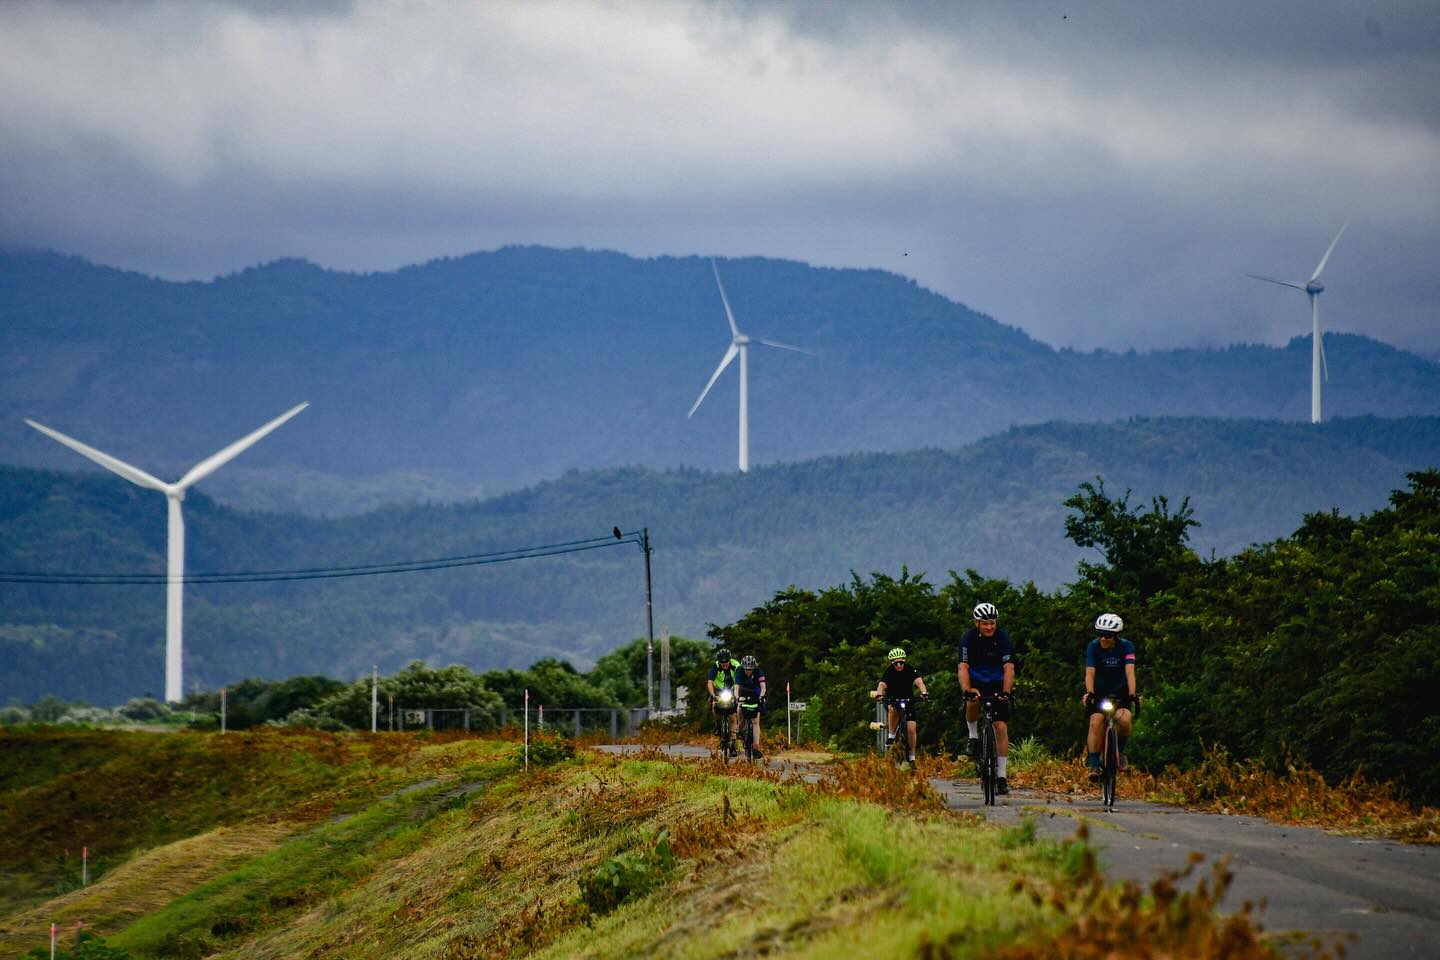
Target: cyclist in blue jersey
pixel 750 688
pixel 1109 673
pixel 987 668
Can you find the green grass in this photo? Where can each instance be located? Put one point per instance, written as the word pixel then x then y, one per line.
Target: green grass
pixel 750 865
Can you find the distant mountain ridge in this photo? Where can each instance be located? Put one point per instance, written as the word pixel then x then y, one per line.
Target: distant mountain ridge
pixel 724 543
pixel 484 373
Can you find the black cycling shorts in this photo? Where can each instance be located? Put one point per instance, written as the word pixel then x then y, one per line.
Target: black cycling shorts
pixel 1002 707
pixel 1122 702
pixel 907 708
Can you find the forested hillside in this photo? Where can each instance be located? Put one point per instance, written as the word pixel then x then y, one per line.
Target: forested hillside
pixel 723 543
pixel 481 374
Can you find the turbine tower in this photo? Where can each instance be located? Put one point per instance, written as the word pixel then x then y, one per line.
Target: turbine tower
pixel 1313 288
pixel 739 346
pixel 174 493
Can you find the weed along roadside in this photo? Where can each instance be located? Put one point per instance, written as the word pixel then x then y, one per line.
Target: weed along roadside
pixel 589 854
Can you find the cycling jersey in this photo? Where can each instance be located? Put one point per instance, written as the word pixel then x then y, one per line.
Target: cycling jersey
pixel 747 686
pixel 1110 666
pixel 986 656
pixel 723 678
pixel 898 683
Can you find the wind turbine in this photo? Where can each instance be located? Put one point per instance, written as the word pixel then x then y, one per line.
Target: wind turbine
pixel 1313 288
pixel 174 493
pixel 739 346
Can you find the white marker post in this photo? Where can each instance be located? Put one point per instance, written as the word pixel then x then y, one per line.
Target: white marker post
pixel 789 740
pixel 222 709
pixel 53 937
pixel 84 866
pixel 527 729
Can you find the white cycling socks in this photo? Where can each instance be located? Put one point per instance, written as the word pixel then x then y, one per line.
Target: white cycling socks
pixel 974 726
pixel 1000 767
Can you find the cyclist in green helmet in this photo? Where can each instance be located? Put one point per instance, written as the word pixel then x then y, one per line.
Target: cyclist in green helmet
pixel 899 681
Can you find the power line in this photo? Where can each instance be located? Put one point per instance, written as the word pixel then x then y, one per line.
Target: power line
pixel 327 573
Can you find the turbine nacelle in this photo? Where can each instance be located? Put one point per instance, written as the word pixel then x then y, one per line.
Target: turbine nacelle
pixel 1314 287
pixel 741 340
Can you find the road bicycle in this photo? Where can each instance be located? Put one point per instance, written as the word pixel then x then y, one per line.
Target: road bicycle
pixel 748 711
pixel 987 762
pixel 897 746
pixel 1110 752
pixel 725 707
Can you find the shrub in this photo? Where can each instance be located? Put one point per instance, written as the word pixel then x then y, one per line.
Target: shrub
pixel 626 876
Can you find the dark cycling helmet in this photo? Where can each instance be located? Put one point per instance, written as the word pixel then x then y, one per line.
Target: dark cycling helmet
pixel 896 653
pixel 1109 623
pixel 986 611
pixel 748 663
pixel 723 653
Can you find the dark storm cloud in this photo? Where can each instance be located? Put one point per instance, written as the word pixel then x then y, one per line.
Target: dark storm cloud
pixel 1103 175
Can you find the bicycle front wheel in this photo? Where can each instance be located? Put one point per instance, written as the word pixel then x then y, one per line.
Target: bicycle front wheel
pixel 1110 767
pixel 989 763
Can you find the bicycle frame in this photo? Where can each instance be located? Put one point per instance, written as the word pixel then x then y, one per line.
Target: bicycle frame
pixel 987 765
pixel 1110 755
pixel 899 748
pixel 749 710
pixel 724 699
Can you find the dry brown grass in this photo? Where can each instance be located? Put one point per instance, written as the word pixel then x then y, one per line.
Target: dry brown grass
pixel 877 780
pixel 1299 795
pixel 141 886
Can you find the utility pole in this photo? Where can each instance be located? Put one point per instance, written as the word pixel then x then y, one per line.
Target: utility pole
pixel 649 629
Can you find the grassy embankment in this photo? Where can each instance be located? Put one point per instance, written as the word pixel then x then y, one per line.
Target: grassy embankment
pixel 593 855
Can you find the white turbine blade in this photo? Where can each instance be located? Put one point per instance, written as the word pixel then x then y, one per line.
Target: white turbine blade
pixel 134 474
pixel 1283 283
pixel 1326 259
pixel 734 330
pixel 212 463
pixel 724 362
pixel 782 346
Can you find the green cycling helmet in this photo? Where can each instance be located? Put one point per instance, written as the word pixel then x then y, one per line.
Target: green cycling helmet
pixel 896 653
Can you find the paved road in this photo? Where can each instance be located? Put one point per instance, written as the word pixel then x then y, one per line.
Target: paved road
pixel 1386 895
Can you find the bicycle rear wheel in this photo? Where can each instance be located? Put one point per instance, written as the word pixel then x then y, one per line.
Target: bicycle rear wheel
pixel 1110 767
pixel 988 763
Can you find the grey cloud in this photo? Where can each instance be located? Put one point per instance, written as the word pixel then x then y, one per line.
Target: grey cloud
pixel 1098 176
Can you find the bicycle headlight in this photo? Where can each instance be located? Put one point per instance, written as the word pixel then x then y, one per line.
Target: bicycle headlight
pixel 1107 706
pixel 726 696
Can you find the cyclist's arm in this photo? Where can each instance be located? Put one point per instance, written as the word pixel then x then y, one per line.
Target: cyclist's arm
pixel 762 686
pixel 920 683
pixel 710 685
pixel 1130 679
pixel 1089 681
pixel 964 676
pixel 1008 683
pixel 880 690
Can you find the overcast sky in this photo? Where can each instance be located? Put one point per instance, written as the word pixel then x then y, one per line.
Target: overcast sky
pixel 1098 174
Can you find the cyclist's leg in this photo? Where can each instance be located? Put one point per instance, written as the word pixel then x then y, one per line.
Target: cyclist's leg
pixel 1123 720
pixel 892 722
pixel 755 723
pixel 1094 740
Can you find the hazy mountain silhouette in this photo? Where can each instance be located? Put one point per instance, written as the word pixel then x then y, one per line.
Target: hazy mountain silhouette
pixel 488 372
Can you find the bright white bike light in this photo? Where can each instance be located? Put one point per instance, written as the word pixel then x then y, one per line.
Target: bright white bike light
pixel 1107 706
pixel 726 696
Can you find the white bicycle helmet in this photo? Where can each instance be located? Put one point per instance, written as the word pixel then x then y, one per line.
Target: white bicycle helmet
pixel 1109 623
pixel 986 611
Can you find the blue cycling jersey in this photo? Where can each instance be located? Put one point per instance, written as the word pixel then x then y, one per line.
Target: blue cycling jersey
pixel 986 656
pixel 1110 665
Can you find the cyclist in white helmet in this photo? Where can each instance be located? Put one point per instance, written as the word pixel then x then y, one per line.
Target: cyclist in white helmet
pixel 987 667
pixel 1109 672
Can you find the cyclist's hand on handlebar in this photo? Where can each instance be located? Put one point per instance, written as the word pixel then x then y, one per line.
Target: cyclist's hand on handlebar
pixel 924 696
pixel 1002 695
pixel 972 694
pixel 1088 699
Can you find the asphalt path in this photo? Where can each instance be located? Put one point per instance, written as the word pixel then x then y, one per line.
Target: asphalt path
pixel 1380 899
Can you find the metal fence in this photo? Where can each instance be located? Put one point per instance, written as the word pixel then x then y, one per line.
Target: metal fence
pixel 571 720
